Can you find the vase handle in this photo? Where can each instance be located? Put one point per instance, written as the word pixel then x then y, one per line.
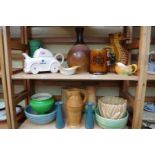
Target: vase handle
pixel 84 92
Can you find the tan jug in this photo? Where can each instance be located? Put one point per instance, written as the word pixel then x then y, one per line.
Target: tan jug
pixel 74 106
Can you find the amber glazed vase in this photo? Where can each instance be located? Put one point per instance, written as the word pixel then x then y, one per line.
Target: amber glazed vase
pixel 79 54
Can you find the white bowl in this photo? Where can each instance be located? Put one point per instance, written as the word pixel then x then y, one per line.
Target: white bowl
pixel 68 71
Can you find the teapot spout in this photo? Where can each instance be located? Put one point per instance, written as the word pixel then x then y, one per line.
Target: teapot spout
pixel 26 56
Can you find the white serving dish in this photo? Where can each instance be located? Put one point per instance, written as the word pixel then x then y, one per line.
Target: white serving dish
pixel 68 71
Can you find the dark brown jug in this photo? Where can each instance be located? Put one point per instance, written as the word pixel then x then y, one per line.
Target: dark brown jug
pixel 79 54
pixel 101 60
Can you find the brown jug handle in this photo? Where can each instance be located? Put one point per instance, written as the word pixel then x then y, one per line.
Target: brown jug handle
pixel 84 92
pixel 111 55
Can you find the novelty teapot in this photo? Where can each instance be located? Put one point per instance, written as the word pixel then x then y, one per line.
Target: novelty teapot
pixel 42 61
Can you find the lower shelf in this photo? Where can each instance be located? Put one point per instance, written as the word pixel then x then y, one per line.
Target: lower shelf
pixel 28 125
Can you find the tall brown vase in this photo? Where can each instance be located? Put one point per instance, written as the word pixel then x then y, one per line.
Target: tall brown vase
pixel 79 54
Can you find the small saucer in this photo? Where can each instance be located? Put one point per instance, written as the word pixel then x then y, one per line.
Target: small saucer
pixel 150 107
pixel 2 105
pixel 150 72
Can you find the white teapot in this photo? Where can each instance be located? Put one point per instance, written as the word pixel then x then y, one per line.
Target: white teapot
pixel 42 61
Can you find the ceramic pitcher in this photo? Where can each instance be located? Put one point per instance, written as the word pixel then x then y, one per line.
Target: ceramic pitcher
pixel 74 106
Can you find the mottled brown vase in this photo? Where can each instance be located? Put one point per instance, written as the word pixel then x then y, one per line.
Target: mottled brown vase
pixel 79 54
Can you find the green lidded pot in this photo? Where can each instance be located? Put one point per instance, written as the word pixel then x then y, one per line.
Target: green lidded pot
pixel 34 45
pixel 42 102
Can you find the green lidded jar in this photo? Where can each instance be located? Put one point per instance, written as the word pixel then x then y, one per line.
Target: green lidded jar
pixel 34 45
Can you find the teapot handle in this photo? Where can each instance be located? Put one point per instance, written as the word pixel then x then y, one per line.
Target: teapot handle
pixel 134 68
pixel 59 54
pixel 84 92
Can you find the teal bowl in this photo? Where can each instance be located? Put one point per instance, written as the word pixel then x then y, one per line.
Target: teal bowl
pixel 42 103
pixel 107 123
pixel 39 119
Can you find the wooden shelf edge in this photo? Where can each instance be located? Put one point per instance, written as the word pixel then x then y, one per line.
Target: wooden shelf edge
pixel 21 96
pixel 76 77
pixel 129 97
pixel 150 76
pixel 15 43
pixel 149 99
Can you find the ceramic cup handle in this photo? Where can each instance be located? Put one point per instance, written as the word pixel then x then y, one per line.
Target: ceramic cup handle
pixel 84 92
pixel 134 68
pixel 111 56
pixel 62 57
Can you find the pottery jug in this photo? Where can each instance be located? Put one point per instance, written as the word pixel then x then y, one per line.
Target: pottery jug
pixel 74 106
pixel 122 69
pixel 79 54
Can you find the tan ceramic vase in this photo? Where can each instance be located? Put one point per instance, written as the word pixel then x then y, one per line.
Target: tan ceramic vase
pixel 74 107
pixel 79 54
pixel 91 91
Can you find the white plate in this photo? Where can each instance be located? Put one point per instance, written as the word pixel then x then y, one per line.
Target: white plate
pixel 2 105
pixel 149 72
pixel 3 113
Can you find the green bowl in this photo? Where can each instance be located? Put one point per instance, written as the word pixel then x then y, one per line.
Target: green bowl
pixel 107 123
pixel 42 103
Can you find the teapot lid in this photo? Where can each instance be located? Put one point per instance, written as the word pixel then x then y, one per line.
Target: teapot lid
pixel 41 52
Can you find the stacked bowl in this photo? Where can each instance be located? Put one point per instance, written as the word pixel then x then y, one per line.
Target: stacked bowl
pixel 41 109
pixel 111 112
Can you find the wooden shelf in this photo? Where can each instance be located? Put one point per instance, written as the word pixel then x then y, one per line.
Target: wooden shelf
pixel 150 76
pixel 149 116
pixel 81 76
pixel 3 125
pixel 28 125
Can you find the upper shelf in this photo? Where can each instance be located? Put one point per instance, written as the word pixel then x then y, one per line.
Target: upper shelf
pixel 78 77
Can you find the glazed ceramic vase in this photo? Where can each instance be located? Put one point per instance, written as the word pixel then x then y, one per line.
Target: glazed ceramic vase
pixel 89 118
pixel 79 54
pixel 60 122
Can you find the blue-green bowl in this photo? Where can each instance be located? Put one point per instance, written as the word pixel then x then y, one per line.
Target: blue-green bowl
pixel 107 123
pixel 39 118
